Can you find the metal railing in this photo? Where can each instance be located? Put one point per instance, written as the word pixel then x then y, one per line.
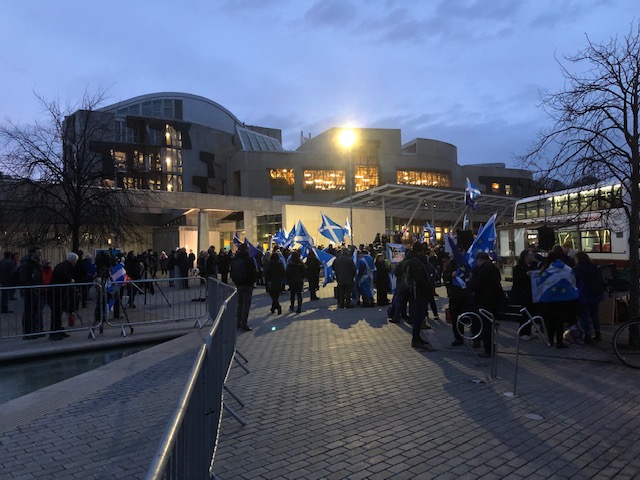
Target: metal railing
pixel 60 309
pixel 188 446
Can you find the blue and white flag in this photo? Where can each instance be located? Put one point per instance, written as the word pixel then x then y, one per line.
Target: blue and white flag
pixel 465 222
pixel 327 261
pixel 431 230
pixel 280 237
pixel 253 251
pixel 557 283
pixel 331 230
pixel 236 240
pixel 463 271
pixel 347 229
pixel 471 192
pixel 289 240
pixel 301 236
pixel 484 242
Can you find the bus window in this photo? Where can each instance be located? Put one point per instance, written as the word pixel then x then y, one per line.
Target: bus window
pixel 520 211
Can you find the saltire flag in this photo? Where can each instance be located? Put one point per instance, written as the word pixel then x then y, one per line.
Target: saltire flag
pixel 236 240
pixel 556 284
pixel 465 222
pixel 355 258
pixel 484 242
pixel 471 192
pixel 327 261
pixel 301 236
pixel 289 240
pixel 482 226
pixel 347 228
pixel 253 251
pixel 280 237
pixel 331 230
pixel 428 228
pixel 462 273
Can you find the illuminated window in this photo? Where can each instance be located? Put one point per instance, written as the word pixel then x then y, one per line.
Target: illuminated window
pixel 495 187
pixel 320 180
pixel 423 178
pixel 282 181
pixel 366 177
pixel 508 190
pixel 119 160
pixel 172 137
pixel 172 160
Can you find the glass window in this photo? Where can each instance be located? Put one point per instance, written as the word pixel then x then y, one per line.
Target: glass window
pixel 168 108
pixel 520 211
pixel 315 180
pixel 495 187
pixel 508 190
pixel 282 181
pixel 267 227
pixel 574 204
pixel 596 241
pixel 146 109
pixel 560 204
pixel 424 178
pixel 366 177
pixel 532 210
pixel 173 137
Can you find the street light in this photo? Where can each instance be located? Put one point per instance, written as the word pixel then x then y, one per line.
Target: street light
pixel 347 139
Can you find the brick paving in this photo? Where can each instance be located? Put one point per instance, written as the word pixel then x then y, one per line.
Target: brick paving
pixel 335 394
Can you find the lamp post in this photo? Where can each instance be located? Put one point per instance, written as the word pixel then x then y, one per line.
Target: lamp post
pixel 347 138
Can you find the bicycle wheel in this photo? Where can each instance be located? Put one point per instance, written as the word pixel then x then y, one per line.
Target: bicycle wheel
pixel 626 344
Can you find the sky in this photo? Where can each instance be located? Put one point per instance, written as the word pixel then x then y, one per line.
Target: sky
pixel 466 72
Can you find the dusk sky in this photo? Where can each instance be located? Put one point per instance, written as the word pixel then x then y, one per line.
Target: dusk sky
pixel 467 72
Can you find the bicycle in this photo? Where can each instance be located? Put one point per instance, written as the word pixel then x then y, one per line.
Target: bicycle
pixel 626 343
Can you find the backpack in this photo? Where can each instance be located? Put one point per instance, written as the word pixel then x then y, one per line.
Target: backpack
pixel 238 271
pixel 407 278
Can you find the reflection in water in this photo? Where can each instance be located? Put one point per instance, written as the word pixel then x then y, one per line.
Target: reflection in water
pixel 25 377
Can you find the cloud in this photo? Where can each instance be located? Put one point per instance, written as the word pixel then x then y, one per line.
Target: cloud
pixel 331 13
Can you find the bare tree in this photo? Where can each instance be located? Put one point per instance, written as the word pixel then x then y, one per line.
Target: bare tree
pixel 596 128
pixel 54 186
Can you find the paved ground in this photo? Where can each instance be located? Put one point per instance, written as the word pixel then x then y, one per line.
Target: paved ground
pixel 341 394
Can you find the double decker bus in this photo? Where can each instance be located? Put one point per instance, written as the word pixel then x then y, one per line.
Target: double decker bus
pixel 590 218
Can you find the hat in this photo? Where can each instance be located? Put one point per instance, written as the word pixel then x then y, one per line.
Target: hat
pixel 482 256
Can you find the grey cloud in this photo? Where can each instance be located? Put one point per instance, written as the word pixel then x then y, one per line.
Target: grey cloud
pixel 335 13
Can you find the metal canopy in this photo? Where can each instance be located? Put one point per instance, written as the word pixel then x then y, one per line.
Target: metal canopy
pixel 440 200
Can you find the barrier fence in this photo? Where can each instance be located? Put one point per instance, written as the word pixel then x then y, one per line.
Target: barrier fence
pixel 57 310
pixel 188 447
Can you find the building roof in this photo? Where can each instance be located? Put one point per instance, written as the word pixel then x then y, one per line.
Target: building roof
pixel 402 197
pixel 253 141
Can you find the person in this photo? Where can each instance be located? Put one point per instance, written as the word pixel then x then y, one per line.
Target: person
pixel 521 289
pixel 7 267
pixel 30 274
pixel 164 259
pixel 274 275
pixel 171 267
pixel 295 278
pixel 259 268
pixel 224 260
pixel 345 272
pixel 487 295
pixel 431 271
pixel 383 267
pixel 459 300
pixel 556 290
pixel 182 265
pixel 420 287
pixel 400 298
pixel 365 277
pixel 211 262
pixel 244 283
pixel 132 267
pixel 63 298
pixel 192 259
pixel 314 265
pixel 567 252
pixel 590 294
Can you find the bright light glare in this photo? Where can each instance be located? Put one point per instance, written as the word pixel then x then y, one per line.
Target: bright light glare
pixel 347 137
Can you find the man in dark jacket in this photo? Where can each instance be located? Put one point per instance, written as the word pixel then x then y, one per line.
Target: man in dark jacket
pixel 420 291
pixel 7 267
pixel 487 295
pixel 459 300
pixel 29 274
pixel 313 274
pixel 63 298
pixel 345 271
pixel 244 286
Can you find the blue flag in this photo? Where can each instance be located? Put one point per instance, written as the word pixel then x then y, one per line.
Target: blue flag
pixel 484 242
pixel 236 240
pixel 471 192
pixel 463 272
pixel 253 251
pixel 431 230
pixel 280 237
pixel 289 240
pixel 331 230
pixel 301 236
pixel 327 261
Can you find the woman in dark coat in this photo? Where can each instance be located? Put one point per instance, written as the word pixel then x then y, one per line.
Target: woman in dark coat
pixel 383 267
pixel 590 294
pixel 274 276
pixel 521 290
pixel 295 277
pixel 313 274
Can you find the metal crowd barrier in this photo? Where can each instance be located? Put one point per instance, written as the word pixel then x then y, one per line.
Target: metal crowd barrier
pixel 188 446
pixel 91 306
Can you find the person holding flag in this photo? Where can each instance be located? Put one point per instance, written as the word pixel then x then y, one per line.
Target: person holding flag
pixel 471 192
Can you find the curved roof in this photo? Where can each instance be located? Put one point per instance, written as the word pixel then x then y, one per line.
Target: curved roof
pixel 196 109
